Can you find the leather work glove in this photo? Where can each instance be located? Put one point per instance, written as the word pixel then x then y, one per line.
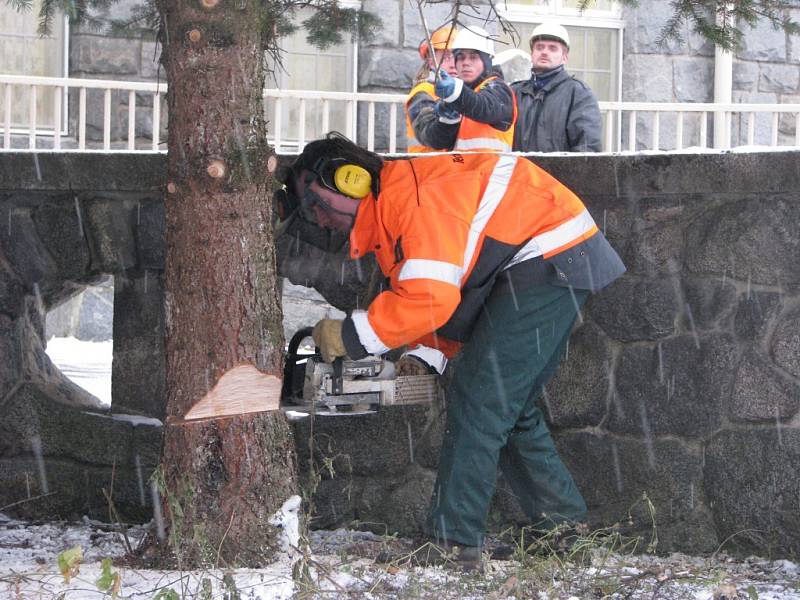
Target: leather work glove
pixel 446 85
pixel 327 336
pixel 446 113
pixel 411 365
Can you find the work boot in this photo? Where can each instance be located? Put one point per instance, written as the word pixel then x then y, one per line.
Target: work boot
pixel 560 541
pixel 432 553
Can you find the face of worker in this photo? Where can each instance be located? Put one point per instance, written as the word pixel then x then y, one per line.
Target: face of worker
pixel 330 209
pixel 548 54
pixel 446 61
pixel 469 65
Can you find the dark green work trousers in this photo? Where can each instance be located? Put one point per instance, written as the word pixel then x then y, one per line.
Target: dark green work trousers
pixel 493 419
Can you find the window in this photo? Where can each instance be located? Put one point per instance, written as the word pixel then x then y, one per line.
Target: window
pixel 307 68
pixel 24 52
pixel 595 38
pixel 597 8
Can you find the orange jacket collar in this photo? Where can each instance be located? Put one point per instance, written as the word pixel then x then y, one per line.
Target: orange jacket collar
pixel 363 235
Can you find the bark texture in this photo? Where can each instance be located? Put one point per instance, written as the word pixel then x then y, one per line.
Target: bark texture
pixel 222 478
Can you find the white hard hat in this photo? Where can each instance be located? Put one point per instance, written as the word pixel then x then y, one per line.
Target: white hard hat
pixel 552 31
pixel 473 37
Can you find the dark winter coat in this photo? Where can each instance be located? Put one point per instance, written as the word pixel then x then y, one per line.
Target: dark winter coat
pixel 493 105
pixel 561 117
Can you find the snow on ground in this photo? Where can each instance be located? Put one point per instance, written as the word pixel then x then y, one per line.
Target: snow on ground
pixel 87 364
pixel 29 567
pixel 340 564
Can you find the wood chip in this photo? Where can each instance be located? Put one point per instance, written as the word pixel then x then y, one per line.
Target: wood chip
pixel 243 389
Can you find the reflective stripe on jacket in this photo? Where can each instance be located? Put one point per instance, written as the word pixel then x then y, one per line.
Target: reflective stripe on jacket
pixel 414 145
pixel 474 136
pixel 444 226
pixel 493 106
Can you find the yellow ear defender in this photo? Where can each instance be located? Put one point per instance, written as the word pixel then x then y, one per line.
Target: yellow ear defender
pixel 352 180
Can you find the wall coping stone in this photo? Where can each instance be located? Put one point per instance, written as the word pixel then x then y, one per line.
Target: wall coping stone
pixel 759 171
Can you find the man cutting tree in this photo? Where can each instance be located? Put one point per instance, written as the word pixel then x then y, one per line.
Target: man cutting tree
pixel 487 254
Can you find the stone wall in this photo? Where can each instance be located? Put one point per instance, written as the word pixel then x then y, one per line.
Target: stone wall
pixel 133 56
pixel 88 316
pixel 682 383
pixel 765 70
pixel 69 223
pixel 71 227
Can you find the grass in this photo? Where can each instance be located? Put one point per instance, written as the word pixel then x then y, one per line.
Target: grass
pixel 601 564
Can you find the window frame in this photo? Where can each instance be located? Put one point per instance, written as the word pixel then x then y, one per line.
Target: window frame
pixel 353 47
pixel 555 12
pixel 556 9
pixel 63 21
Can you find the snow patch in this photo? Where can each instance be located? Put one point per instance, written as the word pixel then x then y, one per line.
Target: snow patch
pixel 137 420
pixel 86 364
pixel 287 519
pixel 294 415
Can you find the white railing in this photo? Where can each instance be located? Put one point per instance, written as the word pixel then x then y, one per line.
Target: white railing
pixel 297 116
pixel 622 119
pixel 352 101
pixel 62 88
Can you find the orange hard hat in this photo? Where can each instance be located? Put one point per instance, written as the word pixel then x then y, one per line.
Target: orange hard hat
pixel 442 39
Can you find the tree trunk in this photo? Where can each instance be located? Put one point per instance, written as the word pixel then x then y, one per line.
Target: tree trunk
pixel 222 478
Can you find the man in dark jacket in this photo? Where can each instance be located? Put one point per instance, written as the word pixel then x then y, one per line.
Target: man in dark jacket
pixel 556 112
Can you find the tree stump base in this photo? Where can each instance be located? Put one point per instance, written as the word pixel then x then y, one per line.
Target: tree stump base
pixel 217 495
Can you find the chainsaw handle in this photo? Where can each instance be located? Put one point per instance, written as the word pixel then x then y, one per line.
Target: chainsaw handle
pixel 294 343
pixel 289 389
pixel 336 382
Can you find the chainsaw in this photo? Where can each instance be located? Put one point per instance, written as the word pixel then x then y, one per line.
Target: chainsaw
pixel 349 386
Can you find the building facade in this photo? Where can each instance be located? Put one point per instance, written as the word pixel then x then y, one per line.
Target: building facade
pixel 615 50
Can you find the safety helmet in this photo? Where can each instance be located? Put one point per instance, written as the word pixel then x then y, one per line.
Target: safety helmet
pixel 442 39
pixel 473 37
pixel 549 31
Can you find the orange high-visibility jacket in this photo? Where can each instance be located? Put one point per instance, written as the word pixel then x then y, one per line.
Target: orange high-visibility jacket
pixel 413 144
pixel 443 227
pixel 474 136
